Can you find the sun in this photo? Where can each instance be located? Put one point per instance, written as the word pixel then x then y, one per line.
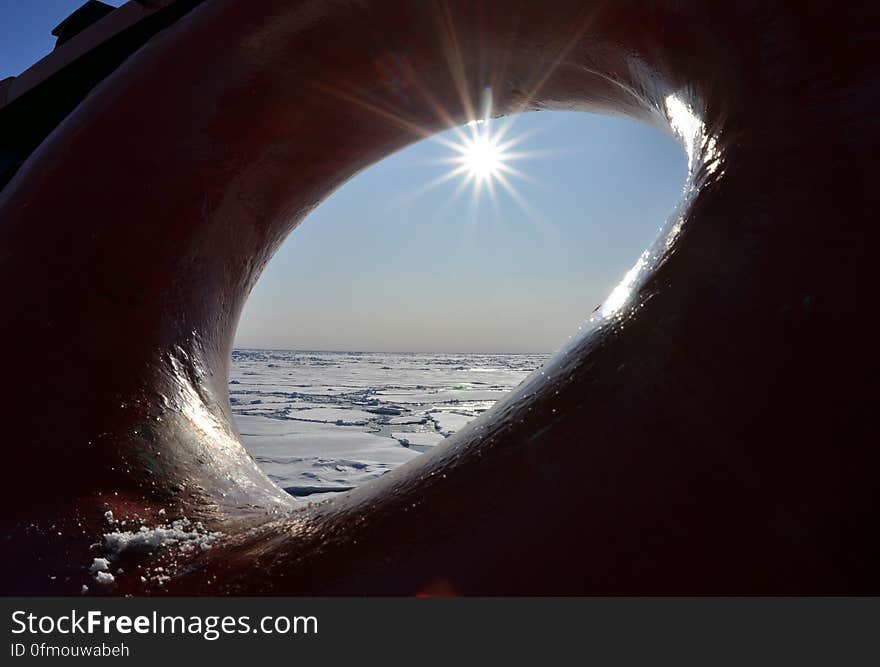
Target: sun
pixel 482 157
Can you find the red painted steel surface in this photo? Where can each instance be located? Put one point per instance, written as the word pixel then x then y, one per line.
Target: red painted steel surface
pixel 711 435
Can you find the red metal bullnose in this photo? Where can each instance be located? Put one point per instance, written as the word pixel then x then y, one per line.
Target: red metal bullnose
pixel 706 434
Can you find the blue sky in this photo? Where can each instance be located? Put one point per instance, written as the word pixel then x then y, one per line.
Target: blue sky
pixel 26 27
pixel 378 266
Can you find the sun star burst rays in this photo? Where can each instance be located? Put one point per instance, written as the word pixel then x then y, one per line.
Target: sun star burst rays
pixel 484 148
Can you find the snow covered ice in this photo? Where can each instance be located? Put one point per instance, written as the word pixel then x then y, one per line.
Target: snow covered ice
pixel 183 533
pixel 99 565
pixel 323 422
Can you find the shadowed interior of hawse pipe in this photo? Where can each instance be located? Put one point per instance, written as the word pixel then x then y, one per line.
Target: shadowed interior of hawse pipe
pixel 704 434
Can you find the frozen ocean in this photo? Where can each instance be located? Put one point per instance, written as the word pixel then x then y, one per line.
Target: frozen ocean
pixel 319 423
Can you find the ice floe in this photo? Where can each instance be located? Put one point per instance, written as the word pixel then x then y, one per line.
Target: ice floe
pixel 319 423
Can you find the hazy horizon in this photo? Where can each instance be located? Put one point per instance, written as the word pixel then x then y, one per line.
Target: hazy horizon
pixel 323 351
